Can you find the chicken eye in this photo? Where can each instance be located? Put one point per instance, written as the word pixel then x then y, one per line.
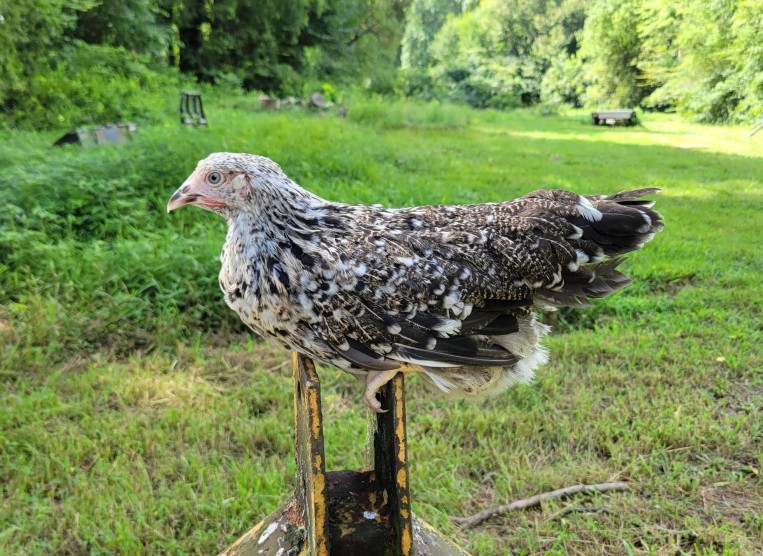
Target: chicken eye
pixel 214 178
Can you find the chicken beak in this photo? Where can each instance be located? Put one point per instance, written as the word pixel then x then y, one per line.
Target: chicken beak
pixel 180 198
pixel 188 194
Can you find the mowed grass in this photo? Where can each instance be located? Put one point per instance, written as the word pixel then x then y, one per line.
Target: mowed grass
pixel 166 430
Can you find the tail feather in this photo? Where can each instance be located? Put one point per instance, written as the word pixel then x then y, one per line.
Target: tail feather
pixel 627 196
pixel 610 226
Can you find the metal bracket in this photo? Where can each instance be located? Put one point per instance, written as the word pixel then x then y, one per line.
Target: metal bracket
pixel 191 109
pixel 366 512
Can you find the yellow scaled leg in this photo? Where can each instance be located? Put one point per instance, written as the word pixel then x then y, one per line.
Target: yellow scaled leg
pixel 374 381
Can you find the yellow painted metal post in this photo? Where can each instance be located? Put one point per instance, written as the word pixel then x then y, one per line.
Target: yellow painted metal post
pixel 391 462
pixel 311 463
pixel 343 513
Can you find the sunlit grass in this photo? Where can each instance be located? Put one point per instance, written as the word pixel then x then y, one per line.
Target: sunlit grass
pixel 136 417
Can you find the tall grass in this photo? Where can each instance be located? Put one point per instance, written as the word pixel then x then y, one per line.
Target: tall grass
pixel 385 113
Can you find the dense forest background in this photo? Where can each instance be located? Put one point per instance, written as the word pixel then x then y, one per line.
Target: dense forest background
pixel 66 62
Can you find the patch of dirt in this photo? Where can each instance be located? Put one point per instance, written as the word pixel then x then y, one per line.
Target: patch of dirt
pixel 732 500
pixel 745 396
pixel 673 285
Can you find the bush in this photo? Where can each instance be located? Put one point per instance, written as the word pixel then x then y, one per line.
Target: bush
pixel 485 83
pixel 418 83
pixel 91 84
pixel 564 82
pixel 88 256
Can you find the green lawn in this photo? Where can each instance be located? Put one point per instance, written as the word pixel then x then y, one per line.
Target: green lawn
pixel 137 417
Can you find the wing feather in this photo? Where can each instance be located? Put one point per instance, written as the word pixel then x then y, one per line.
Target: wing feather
pixel 438 283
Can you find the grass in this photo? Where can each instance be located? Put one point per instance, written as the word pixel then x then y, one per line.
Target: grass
pixel 137 417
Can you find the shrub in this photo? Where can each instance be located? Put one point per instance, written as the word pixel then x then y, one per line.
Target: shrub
pixel 88 256
pixel 91 84
pixel 564 82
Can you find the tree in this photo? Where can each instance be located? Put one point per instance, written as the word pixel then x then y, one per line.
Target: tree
pixel 131 24
pixel 704 59
pixel 658 29
pixel 31 35
pixel 611 51
pixel 423 20
pixel 719 73
pixel 274 45
pixel 29 32
pixel 354 40
pixel 496 54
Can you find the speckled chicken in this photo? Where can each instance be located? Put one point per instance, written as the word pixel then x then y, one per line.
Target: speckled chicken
pixel 445 291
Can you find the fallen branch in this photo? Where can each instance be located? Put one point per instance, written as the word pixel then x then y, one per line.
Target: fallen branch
pixel 536 500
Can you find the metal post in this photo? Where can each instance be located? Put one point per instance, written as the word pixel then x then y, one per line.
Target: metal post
pixel 391 462
pixel 365 512
pixel 310 491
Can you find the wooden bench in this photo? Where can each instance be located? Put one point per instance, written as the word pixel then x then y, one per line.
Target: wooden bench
pixel 614 117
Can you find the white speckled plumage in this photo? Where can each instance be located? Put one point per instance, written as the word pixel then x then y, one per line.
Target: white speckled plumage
pixel 447 291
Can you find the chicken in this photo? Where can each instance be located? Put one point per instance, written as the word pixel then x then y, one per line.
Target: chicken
pixel 445 291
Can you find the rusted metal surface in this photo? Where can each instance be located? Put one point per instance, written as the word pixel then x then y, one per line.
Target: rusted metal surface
pixel 391 462
pixel 365 512
pixel 359 524
pixel 360 519
pixel 310 490
pixel 279 534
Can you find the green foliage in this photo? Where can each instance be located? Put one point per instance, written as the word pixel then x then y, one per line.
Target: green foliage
pixel 259 40
pixel 721 44
pixel 30 33
pixel 48 78
pixel 492 55
pixel 611 48
pixel 565 82
pixel 698 58
pixel 131 24
pixel 423 20
pixel 356 40
pixel 92 84
pixel 277 46
pixel 464 62
pixel 702 59
pixel 658 29
pixel 125 383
